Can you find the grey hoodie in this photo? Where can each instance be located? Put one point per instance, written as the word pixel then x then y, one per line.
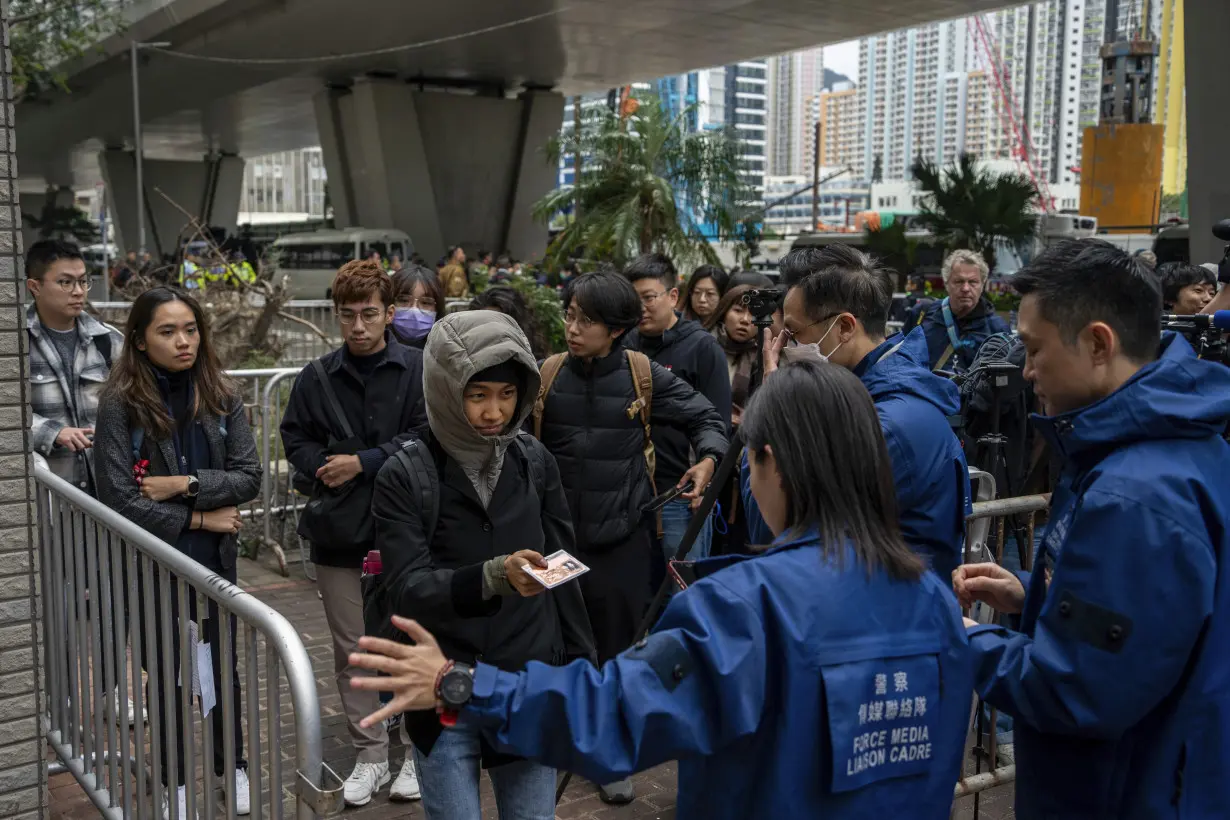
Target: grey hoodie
pixel 459 346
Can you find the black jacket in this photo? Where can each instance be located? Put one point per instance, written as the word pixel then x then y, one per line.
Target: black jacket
pixel 585 425
pixel 384 410
pixel 691 353
pixel 440 583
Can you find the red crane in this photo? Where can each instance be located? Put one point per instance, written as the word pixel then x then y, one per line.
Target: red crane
pixel 1014 125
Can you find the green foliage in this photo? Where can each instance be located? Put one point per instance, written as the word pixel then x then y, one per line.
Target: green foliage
pixel 1173 205
pixel 894 248
pixel 543 301
pixel 969 207
pixel 45 35
pixel 646 184
pixel 1004 300
pixel 62 223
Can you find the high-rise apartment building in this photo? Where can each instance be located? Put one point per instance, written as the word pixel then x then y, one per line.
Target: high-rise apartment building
pixel 840 128
pixel 1019 84
pixel 794 80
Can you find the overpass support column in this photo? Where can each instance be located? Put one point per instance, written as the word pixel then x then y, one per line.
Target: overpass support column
pixel 209 190
pixel 1207 32
pixel 448 169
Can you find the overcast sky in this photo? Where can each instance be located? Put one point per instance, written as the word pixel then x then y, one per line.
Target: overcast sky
pixel 843 58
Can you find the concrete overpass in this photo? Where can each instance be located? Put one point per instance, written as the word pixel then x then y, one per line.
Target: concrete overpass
pixel 431 114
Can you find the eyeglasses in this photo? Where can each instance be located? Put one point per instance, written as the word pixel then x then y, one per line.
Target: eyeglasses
pixel 69 285
pixel 647 299
pixel 367 316
pixel 579 319
pixel 793 336
pixel 422 303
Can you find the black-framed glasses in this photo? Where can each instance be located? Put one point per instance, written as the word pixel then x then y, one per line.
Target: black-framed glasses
pixel 68 284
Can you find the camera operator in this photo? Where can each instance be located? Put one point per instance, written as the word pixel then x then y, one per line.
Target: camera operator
pixel 1186 289
pixel 840 312
pixel 1116 677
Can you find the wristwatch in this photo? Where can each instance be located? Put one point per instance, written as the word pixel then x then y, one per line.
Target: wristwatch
pixel 194 487
pixel 456 686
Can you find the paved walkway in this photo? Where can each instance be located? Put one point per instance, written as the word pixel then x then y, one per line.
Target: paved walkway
pixel 296 599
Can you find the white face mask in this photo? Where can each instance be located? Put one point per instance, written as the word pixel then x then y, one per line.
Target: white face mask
pixel 797 352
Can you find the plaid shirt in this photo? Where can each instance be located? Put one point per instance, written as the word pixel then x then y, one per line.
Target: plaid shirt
pixel 53 406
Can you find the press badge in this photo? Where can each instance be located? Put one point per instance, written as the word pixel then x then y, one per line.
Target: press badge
pixel 882 717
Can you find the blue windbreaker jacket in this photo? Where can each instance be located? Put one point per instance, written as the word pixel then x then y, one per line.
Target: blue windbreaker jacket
pixel 1119 679
pixel 972 331
pixel 929 469
pixel 785 686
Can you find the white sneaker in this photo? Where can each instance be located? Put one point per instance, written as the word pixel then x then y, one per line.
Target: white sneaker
pixel 182 793
pixel 243 793
pixel 406 786
pixel 365 781
pixel 125 715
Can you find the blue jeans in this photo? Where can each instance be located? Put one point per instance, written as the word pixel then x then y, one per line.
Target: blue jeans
pixel 449 778
pixel 675 518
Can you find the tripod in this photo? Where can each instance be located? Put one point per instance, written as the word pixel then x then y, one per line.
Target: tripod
pixel 991 449
pixel 725 468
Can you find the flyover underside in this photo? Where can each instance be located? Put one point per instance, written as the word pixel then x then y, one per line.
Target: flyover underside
pixel 208 191
pixel 448 169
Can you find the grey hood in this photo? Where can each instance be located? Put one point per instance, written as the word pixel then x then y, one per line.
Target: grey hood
pixel 459 346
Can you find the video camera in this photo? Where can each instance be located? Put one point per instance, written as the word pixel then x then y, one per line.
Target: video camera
pixel 1205 332
pixel 762 303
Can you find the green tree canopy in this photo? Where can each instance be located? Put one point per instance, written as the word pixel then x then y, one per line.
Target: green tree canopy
pixel 646 184
pixel 970 207
pixel 44 35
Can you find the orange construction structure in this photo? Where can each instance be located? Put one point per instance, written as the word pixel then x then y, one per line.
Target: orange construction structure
pixel 1121 175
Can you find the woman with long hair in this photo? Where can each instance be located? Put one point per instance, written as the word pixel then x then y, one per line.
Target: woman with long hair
pixel 420 302
pixel 731 324
pixel 705 288
pixel 507 300
pixel 829 676
pixel 175 455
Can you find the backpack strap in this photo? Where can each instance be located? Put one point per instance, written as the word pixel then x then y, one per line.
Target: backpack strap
pixel 549 370
pixel 421 468
pixel 536 456
pixel 327 387
pixel 103 343
pixel 642 383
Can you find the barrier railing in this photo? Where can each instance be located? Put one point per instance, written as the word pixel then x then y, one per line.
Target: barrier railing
pixel 109 586
pixel 1021 513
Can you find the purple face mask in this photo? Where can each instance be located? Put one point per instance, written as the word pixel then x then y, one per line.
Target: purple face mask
pixel 413 323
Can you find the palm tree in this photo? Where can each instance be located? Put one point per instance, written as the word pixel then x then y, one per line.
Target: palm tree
pixel 647 184
pixel 67 222
pixel 969 207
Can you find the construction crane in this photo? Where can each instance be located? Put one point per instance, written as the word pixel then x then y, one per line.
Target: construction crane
pixel 1015 127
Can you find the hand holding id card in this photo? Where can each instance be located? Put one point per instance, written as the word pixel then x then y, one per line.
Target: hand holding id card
pixel 561 568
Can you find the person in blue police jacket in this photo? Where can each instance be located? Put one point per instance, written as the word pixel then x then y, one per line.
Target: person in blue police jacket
pixel 839 312
pixel 827 677
pixel 1118 676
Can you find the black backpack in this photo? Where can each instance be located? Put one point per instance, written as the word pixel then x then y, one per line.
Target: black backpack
pixel 424 474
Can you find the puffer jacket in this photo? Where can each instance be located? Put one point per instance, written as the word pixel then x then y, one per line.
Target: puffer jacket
pixel 600 450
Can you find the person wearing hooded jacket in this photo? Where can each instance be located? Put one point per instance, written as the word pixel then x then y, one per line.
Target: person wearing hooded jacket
pixel 840 314
pixel 1116 675
pixel 480 379
pixel 686 349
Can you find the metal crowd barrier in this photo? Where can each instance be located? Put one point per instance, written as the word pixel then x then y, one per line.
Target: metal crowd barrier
pixel 988 514
pixel 108 586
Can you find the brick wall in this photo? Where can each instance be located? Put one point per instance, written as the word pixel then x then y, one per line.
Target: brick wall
pixel 23 780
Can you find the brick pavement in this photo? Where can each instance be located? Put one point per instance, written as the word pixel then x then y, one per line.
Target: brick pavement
pixel 296 599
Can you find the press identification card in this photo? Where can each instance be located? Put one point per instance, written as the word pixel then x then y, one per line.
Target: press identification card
pixel 561 568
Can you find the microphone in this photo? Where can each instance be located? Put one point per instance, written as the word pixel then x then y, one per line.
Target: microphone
pixel 1221 230
pixel 1218 320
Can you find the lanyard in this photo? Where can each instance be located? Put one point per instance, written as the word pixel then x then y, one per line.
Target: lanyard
pixel 950 324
